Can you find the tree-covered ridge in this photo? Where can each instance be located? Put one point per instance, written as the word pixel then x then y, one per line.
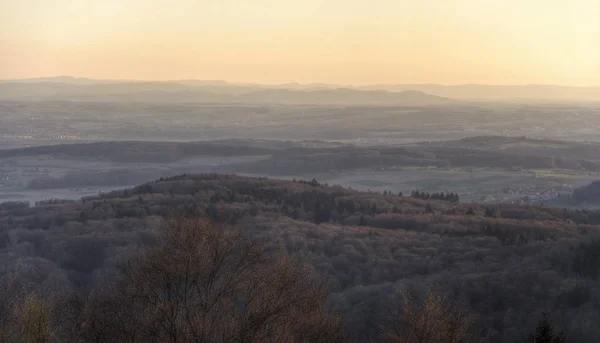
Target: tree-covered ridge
pixel 293 157
pixel 450 197
pixel 508 267
pixel 587 194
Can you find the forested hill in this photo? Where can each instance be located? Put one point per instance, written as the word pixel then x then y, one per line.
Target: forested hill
pixel 508 262
pixel 587 194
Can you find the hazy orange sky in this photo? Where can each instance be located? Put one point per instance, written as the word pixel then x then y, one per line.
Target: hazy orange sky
pixel 333 41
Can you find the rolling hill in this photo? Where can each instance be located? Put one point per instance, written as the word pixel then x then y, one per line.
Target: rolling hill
pixel 479 92
pixel 504 261
pixel 188 92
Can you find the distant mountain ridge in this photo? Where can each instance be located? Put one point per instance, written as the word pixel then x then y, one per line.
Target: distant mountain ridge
pixel 208 93
pixel 459 92
pixel 499 92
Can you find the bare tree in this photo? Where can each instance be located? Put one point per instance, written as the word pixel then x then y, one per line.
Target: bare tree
pixel 434 319
pixel 209 283
pixel 35 320
pixel 25 316
pixel 9 297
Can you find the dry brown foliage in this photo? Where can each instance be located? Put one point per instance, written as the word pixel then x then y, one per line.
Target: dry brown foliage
pixel 35 320
pixel 210 283
pixel 8 302
pixel 435 319
pixel 24 317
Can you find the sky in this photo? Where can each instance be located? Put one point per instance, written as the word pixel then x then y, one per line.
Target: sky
pixel 347 42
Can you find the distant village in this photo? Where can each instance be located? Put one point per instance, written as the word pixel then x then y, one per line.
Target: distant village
pixel 527 195
pixel 519 194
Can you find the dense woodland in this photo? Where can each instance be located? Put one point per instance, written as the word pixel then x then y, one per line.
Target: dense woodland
pixel 292 158
pixel 483 152
pixel 123 151
pixel 587 194
pixel 506 265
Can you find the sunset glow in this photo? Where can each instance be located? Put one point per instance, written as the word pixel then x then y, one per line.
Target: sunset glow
pixel 334 41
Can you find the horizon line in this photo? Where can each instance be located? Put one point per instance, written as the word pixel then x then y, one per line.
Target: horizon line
pixel 233 83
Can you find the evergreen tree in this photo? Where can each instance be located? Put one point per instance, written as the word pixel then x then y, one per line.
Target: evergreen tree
pixel 362 221
pixel 374 210
pixel 544 332
pixel 489 212
pixel 428 208
pixel 82 217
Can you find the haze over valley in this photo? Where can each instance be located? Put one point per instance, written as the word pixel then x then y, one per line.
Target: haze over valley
pixel 310 171
pixel 516 171
pixel 376 147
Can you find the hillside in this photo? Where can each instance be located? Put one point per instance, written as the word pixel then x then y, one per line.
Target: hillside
pixel 589 194
pixel 550 93
pixel 186 92
pixel 482 152
pixel 488 169
pixel 139 151
pixel 479 92
pixel 287 157
pixel 509 262
pixel 527 146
